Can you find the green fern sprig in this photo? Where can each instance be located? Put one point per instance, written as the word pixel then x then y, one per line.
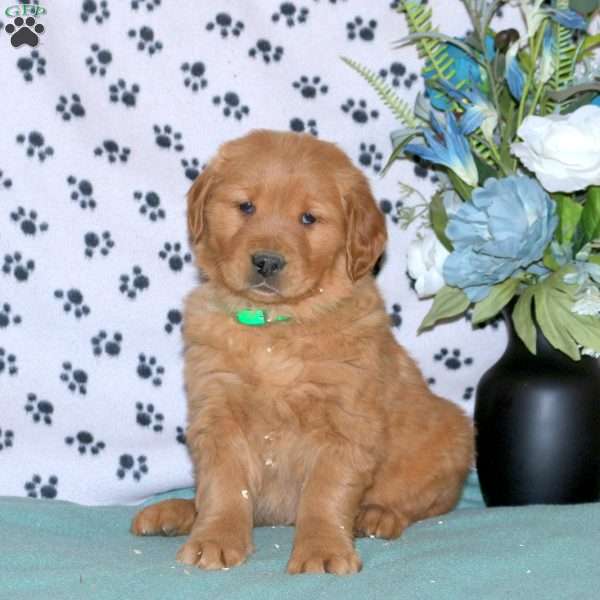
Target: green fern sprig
pixel 399 108
pixel 438 64
pixel 565 54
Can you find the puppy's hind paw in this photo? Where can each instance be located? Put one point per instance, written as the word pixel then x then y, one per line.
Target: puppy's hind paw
pixel 170 518
pixel 374 520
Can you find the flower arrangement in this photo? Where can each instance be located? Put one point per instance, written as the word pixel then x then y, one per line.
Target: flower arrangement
pixel 511 122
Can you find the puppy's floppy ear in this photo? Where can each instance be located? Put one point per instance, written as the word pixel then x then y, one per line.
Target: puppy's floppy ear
pixel 196 201
pixel 366 233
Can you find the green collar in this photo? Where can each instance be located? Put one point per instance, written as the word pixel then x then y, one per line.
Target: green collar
pixel 257 318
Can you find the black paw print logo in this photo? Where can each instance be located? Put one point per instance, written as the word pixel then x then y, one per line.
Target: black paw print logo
pixel 119 92
pixel 113 151
pixel 6 438
pixel 75 379
pixel 468 393
pixel 84 441
pixel 174 319
pixel 82 192
pixel 41 411
pixel 226 25
pixel 369 156
pixel 147 417
pixel 191 167
pixel 36 145
pixel 148 368
pixel 73 301
pixel 165 137
pixel 103 343
pixel 150 205
pixel 132 285
pixel 396 315
pixel 94 242
pixel 268 52
pixel 99 61
pixel 5 182
pixel 452 361
pixel 392 210
pixel 309 87
pixel 361 28
pixel 173 254
pixel 194 75
pixel 24 31
pixel 423 168
pixel 232 105
pixel 299 126
pixel 34 63
pixel 7 317
pixel 395 72
pixel 146 41
pixel 17 266
pixel 358 110
pixel 37 489
pixel 70 108
pixel 96 10
pixel 8 363
pixel 290 15
pixel 180 435
pixel 149 4
pixel 138 467
pixel 28 221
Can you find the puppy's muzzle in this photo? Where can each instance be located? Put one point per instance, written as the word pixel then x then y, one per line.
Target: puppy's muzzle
pixel 268 264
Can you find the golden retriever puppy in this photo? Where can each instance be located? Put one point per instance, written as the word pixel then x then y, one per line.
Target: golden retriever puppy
pixel 302 408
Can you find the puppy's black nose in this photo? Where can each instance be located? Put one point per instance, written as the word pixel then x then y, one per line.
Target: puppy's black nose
pixel 268 264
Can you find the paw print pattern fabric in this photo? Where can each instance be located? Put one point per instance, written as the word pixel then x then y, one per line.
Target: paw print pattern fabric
pixel 112 108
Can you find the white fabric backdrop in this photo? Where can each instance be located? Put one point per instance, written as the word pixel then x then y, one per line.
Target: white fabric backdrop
pixel 120 104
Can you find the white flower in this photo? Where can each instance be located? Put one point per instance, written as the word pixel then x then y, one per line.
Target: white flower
pixel 426 257
pixel 562 150
pixel 588 303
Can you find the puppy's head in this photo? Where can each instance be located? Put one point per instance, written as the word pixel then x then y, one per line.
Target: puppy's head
pixel 274 215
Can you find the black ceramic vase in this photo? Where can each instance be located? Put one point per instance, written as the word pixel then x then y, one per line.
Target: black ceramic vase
pixel 537 419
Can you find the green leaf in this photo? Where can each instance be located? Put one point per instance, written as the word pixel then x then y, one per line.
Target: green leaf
pixel 399 137
pixel 584 7
pixel 590 217
pixel 569 213
pixel 500 295
pixel 439 219
pixel 448 302
pixel 584 329
pixel 550 261
pixel 523 320
pixel 463 189
pixel 563 94
pixel 549 320
pixel 591 41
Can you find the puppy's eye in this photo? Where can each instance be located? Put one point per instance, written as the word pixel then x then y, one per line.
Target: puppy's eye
pixel 247 208
pixel 307 218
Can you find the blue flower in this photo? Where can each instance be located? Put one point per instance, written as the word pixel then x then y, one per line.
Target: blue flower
pixel 505 228
pixel 448 147
pixel 478 110
pixel 567 18
pixel 466 70
pixel 513 73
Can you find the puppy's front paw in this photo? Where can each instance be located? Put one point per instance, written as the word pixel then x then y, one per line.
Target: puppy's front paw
pixel 217 553
pixel 170 517
pixel 314 557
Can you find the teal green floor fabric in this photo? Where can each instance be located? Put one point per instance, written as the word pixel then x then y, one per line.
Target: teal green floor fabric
pixel 55 550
